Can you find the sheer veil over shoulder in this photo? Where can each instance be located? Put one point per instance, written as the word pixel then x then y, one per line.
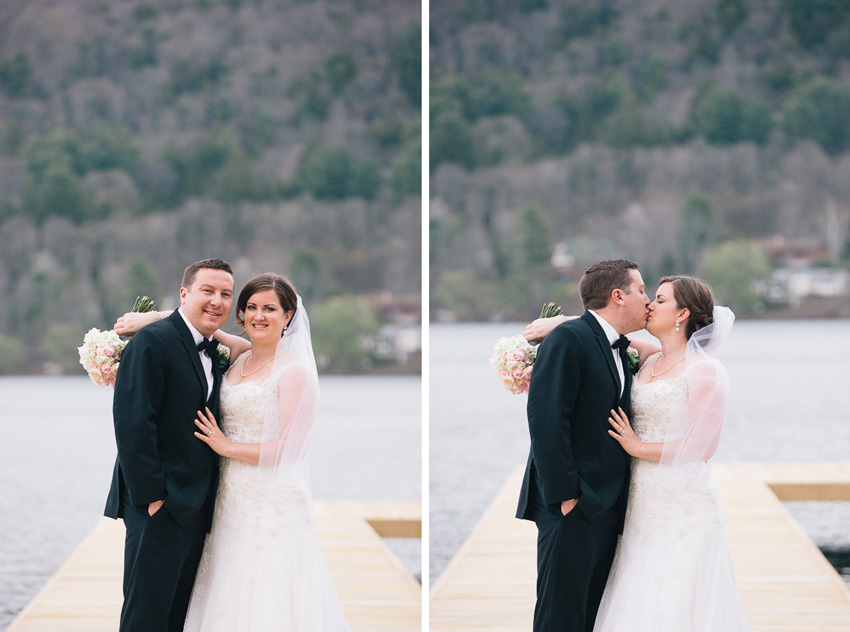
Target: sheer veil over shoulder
pixel 708 395
pixel 284 455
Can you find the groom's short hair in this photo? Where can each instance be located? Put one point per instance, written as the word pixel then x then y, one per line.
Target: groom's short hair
pixel 191 271
pixel 602 278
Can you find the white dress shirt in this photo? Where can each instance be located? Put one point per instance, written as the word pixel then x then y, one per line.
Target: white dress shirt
pixel 206 361
pixel 613 336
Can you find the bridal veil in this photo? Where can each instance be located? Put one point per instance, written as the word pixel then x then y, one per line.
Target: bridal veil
pixel 708 395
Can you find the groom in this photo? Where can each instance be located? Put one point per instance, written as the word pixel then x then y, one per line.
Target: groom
pixel 165 479
pixel 576 481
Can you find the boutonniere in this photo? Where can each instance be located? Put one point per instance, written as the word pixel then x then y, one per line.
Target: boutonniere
pixel 634 359
pixel 223 358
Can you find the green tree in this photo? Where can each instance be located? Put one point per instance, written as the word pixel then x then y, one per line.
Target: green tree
pixel 813 20
pixel 140 280
pixel 703 44
pixel 502 93
pixel 112 146
pixel 59 346
pixel 451 139
pixel 145 51
pixel 333 173
pixel 88 61
pixel 734 270
pixel 406 60
pixel 261 132
pixel 58 192
pixel 325 172
pixel 699 227
pixel 631 126
pixel 309 273
pixel 587 19
pixel 601 99
pixel 724 117
pixel 365 179
pixel 54 149
pixel 536 235
pixel 406 171
pixel 12 352
pixel 341 69
pixel 240 180
pixel 651 77
pixel 341 326
pixel 466 296
pixel 144 12
pixel 195 75
pixel 731 14
pixel 16 74
pixel 209 154
pixel 820 111
pixel 311 96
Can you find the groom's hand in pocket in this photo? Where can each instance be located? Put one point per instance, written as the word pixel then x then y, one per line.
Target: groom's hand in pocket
pixel 568 505
pixel 155 506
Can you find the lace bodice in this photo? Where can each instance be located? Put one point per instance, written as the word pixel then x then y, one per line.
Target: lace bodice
pixel 244 407
pixel 660 412
pixel 660 409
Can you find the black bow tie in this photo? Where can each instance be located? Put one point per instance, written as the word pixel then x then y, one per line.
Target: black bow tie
pixel 621 343
pixel 208 346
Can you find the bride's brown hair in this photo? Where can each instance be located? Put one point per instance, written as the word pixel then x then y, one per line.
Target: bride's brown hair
pixel 693 294
pixel 267 281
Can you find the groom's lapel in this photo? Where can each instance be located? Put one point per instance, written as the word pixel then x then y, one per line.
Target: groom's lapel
pixel 216 371
pixel 191 348
pixel 604 345
pixel 627 389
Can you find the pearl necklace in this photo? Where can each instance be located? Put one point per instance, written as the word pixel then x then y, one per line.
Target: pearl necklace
pixel 652 370
pixel 242 368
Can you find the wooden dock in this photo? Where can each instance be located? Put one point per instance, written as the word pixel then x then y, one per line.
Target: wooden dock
pixel 376 592
pixel 785 582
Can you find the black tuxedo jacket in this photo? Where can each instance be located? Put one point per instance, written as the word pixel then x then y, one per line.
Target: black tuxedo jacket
pixel 159 389
pixel 574 386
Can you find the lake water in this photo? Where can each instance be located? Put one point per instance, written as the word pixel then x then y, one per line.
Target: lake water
pixel 788 403
pixel 58 449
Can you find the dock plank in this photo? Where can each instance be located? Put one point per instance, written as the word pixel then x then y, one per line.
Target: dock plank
pixel 375 590
pixel 785 582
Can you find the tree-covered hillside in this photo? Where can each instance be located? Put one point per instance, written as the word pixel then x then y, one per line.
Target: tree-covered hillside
pixel 140 135
pixel 652 129
pixel 627 73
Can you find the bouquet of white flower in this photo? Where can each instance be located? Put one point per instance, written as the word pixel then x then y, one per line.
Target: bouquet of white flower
pixel 100 354
pixel 513 358
pixel 512 362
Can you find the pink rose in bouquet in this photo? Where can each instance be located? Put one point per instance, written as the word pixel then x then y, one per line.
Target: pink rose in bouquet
pixel 512 362
pixel 100 356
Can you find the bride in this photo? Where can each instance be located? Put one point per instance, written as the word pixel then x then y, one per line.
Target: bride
pixel 672 571
pixel 262 567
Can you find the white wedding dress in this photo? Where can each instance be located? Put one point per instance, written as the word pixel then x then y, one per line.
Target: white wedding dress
pixel 262 568
pixel 672 571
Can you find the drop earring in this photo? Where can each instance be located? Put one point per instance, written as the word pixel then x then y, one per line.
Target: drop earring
pixel 677 325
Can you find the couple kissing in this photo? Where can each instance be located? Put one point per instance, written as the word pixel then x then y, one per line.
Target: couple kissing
pixel 631 534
